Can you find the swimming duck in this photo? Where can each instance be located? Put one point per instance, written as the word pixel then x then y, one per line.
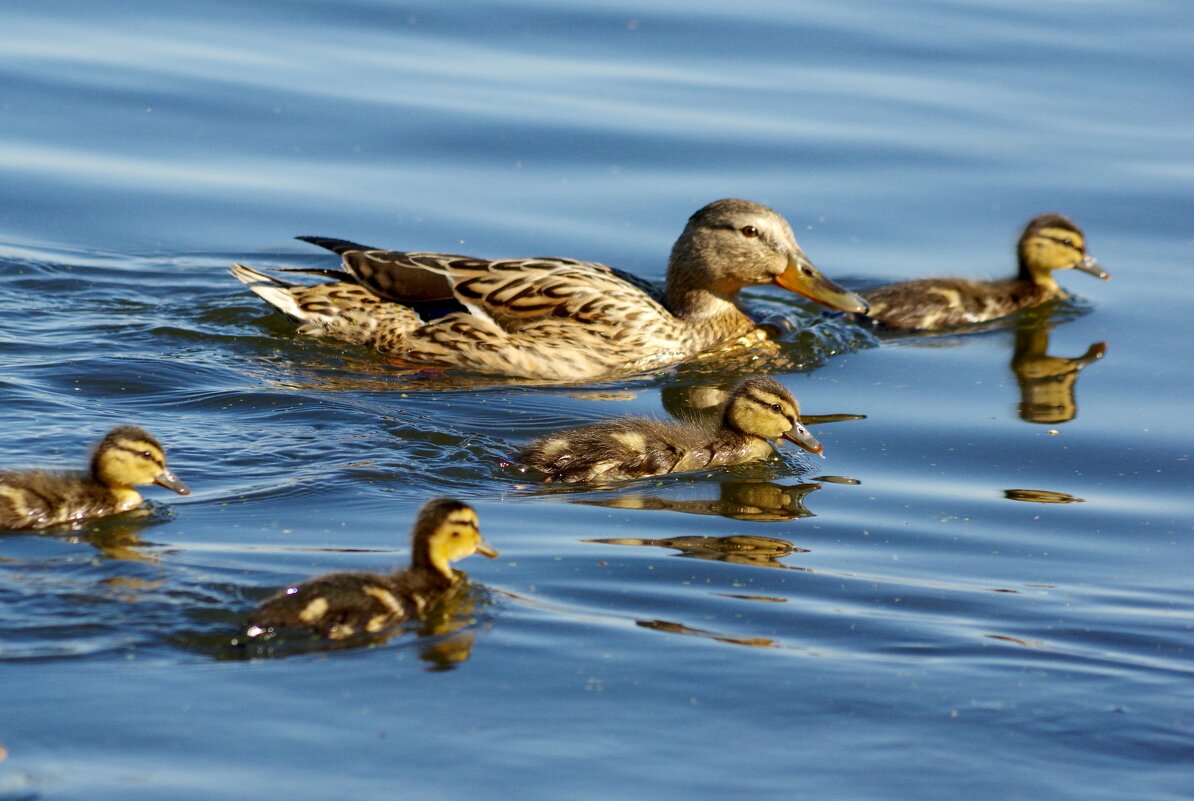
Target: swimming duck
pixel 341 605
pixel 759 410
pixel 555 318
pixel 126 457
pixel 1049 242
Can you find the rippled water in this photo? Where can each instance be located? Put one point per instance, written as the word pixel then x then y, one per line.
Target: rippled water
pixel 982 592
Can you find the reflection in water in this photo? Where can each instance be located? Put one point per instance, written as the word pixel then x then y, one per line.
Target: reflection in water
pixel 446 633
pixel 738 549
pixel 760 501
pixel 1040 496
pixel 1047 382
pixel 118 537
pixel 680 628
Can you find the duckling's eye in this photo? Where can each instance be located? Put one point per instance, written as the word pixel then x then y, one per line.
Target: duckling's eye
pixel 749 231
pixel 1067 241
pixel 146 455
pixel 775 407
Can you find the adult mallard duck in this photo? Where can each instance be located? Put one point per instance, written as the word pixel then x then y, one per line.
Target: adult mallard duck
pixel 341 605
pixel 1049 242
pixel 126 457
pixel 554 318
pixel 758 411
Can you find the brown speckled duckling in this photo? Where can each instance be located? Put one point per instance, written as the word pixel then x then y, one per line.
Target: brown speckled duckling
pixel 341 605
pixel 1049 242
pixel 758 411
pixel 552 318
pixel 126 457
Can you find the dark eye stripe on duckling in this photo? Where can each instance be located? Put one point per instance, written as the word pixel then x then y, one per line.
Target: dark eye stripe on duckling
pixel 1067 241
pixel 462 518
pixel 774 401
pixel 143 452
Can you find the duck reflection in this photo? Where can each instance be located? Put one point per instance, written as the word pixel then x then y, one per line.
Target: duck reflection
pixel 760 501
pixel 1047 382
pixel 679 628
pixel 737 549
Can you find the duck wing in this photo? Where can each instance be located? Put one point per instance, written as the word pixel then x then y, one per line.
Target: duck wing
pixel 512 293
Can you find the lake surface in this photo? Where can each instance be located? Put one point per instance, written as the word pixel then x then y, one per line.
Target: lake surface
pixel 930 612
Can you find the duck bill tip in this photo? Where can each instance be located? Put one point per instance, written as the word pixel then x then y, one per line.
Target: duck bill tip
pixel 171 482
pixel 1090 266
pixel 802 439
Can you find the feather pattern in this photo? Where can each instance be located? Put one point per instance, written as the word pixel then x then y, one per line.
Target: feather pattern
pixel 554 318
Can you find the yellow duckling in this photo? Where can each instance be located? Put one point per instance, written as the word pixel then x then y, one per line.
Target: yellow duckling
pixel 759 410
pixel 341 605
pixel 126 457
pixel 553 318
pixel 1049 242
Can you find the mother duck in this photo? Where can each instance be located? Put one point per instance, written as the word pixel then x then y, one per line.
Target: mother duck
pixel 555 318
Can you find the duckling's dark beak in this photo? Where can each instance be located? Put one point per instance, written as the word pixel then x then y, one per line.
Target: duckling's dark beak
pixel 1090 264
pixel 170 481
pixel 485 549
pixel 803 278
pixel 801 436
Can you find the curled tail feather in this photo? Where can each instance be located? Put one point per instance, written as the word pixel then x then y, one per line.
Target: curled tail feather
pixel 342 309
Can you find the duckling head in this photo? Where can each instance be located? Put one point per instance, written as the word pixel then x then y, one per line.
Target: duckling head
pixel 730 244
pixel 1054 242
pixel 762 407
pixel 446 531
pixel 129 456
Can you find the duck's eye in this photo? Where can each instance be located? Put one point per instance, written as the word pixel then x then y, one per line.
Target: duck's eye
pixel 775 407
pixel 749 231
pixel 146 455
pixel 1067 241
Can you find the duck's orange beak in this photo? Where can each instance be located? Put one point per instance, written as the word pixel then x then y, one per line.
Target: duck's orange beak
pixel 803 278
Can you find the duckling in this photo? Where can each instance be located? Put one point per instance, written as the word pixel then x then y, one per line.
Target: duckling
pixel 341 605
pixel 758 410
pixel 1049 242
pixel 554 318
pixel 127 456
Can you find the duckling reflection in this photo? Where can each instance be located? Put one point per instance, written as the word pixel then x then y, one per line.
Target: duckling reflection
pixel 1049 242
pixel 679 628
pixel 737 549
pixel 760 501
pixel 126 457
pixel 340 606
pixel 1047 382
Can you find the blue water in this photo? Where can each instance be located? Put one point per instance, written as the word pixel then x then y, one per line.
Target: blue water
pixel 915 626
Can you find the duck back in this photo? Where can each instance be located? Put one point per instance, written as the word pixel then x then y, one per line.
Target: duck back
pixel 933 303
pixel 38 499
pixel 342 605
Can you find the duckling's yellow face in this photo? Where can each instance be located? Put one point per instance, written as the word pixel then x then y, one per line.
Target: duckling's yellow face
pixel 128 457
pixel 762 407
pixel 731 243
pixel 457 535
pixel 1052 242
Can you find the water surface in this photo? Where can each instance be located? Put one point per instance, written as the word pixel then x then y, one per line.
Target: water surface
pixel 982 592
